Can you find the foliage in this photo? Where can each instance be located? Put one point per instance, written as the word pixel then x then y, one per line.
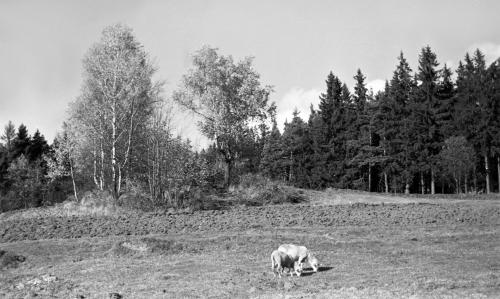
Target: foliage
pixel 228 97
pixel 118 98
pixel 425 130
pixel 27 182
pixel 457 159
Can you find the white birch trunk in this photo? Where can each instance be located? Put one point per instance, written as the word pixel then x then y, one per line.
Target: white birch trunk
pixel 113 148
pixel 422 185
pixel 101 178
pixel 487 169
pixel 498 172
pixel 73 179
pixel 433 182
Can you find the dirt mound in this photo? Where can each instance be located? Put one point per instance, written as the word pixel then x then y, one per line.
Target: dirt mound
pixel 150 245
pixel 241 217
pixel 10 260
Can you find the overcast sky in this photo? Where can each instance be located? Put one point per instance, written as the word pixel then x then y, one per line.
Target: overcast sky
pixel 295 45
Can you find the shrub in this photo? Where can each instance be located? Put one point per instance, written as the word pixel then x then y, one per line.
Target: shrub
pixel 96 203
pixel 258 190
pixel 135 197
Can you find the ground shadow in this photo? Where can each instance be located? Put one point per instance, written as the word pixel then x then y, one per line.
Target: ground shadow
pixel 324 268
pixel 309 271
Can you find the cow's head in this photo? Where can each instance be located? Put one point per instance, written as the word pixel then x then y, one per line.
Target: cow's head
pixel 314 263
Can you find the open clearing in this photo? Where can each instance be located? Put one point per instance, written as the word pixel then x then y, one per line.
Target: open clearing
pixel 369 245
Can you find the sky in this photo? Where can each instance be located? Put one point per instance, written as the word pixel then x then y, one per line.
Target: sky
pixel 295 45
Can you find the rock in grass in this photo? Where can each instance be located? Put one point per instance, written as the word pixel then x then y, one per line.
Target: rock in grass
pixel 9 259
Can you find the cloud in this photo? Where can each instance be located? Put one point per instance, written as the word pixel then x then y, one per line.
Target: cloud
pixel 296 98
pixel 376 85
pixel 491 51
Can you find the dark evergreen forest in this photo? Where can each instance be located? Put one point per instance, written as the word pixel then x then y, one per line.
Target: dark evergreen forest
pixel 426 132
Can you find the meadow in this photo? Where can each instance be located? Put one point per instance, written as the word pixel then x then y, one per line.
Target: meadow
pixel 369 245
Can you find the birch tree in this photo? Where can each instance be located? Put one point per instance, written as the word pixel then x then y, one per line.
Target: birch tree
pixel 227 96
pixel 66 153
pixel 118 96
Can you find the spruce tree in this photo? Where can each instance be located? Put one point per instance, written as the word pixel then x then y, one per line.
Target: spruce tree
pixel 494 100
pixel 270 163
pixel 38 146
pixel 474 114
pixel 425 113
pixel 318 149
pixel 398 126
pixel 294 151
pixel 21 142
pixel 360 136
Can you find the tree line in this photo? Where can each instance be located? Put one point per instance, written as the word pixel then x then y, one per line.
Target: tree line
pixel 23 169
pixel 426 132
pixel 429 131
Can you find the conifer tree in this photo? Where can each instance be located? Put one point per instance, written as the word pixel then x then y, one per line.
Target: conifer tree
pixel 38 146
pixel 270 163
pixel 8 135
pixel 360 136
pixel 21 142
pixel 318 149
pixel 425 110
pixel 494 102
pixel 397 130
pixel 294 150
pixel 382 125
pixel 474 115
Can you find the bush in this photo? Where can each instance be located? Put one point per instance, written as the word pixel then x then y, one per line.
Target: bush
pixel 96 203
pixel 257 190
pixel 135 197
pixel 193 198
pixel 10 203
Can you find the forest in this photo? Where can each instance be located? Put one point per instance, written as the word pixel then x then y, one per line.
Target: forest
pixel 431 130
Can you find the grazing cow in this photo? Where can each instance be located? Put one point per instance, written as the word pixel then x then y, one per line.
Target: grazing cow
pixel 301 255
pixel 280 260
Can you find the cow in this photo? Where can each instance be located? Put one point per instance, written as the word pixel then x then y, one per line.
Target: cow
pixel 300 254
pixel 280 260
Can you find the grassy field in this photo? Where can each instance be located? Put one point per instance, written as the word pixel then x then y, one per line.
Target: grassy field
pixel 451 258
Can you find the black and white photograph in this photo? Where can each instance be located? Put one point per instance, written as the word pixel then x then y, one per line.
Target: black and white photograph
pixel 249 149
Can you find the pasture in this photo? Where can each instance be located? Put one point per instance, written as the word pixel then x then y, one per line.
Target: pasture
pixel 369 245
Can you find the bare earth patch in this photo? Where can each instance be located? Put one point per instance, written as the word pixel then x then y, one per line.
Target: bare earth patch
pixel 447 250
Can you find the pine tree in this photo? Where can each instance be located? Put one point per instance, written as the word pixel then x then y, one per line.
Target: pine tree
pixel 318 149
pixel 446 110
pixel 474 114
pixel 38 146
pixel 21 142
pixel 398 126
pixel 446 95
pixel 271 164
pixel 360 136
pixel 425 110
pixel 492 113
pixel 382 125
pixel 8 135
pixel 294 151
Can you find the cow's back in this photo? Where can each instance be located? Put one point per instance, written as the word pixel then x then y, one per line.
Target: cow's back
pixel 293 251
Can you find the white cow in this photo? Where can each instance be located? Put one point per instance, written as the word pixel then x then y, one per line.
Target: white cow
pixel 301 255
pixel 280 260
